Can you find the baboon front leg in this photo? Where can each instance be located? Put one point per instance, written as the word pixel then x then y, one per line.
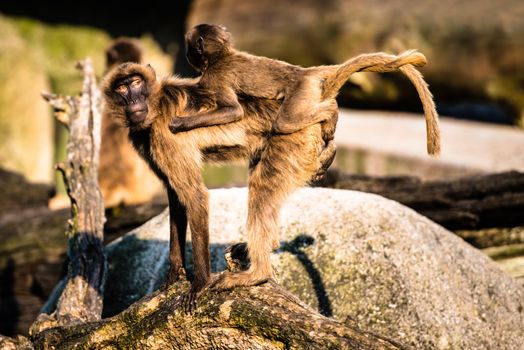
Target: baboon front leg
pixel 177 238
pixel 198 211
pixel 189 192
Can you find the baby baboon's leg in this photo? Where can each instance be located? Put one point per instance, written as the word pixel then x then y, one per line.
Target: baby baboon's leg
pixel 327 155
pixel 325 158
pixel 330 124
pixel 302 106
pixel 288 162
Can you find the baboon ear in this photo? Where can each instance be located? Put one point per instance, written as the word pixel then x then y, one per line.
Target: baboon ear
pixel 150 68
pixel 200 45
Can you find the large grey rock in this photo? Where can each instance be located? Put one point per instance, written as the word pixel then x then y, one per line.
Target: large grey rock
pixel 356 256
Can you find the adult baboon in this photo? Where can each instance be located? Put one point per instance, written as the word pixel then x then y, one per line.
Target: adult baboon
pixel 278 163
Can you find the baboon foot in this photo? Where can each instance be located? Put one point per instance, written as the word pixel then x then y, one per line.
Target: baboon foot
pixel 325 158
pixel 237 257
pixel 229 280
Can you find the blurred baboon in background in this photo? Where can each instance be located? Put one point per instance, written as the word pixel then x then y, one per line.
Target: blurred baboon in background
pixel 123 176
pixel 123 50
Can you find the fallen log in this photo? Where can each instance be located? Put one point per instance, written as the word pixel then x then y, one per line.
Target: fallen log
pixel 19 194
pixel 262 317
pixel 474 202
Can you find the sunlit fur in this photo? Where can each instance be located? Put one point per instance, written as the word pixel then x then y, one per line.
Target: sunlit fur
pixel 307 92
pixel 279 163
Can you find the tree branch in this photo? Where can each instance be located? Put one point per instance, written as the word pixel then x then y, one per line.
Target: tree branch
pixel 265 317
pixel 81 299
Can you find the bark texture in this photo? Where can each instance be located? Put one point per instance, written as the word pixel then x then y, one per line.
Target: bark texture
pixel 262 317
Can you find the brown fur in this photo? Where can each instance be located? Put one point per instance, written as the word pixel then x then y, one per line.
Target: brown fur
pixel 123 176
pixel 306 92
pixel 278 165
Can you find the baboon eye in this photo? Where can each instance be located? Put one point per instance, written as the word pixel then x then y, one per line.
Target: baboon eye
pixel 136 83
pixel 122 89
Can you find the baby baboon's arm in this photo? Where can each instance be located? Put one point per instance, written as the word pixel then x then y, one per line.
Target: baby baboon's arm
pixel 228 110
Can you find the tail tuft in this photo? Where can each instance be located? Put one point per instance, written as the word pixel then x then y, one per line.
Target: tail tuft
pixel 432 122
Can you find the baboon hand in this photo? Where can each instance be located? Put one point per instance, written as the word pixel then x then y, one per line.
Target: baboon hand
pixel 178 124
pixel 189 300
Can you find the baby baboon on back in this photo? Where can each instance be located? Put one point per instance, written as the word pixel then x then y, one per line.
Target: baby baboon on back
pixel 306 92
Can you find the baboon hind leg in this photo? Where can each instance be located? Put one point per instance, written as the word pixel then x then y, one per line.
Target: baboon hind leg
pixel 327 155
pixel 262 230
pixel 288 162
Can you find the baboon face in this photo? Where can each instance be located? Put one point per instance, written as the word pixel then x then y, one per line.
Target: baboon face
pixel 134 93
pixel 194 53
pixel 204 43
